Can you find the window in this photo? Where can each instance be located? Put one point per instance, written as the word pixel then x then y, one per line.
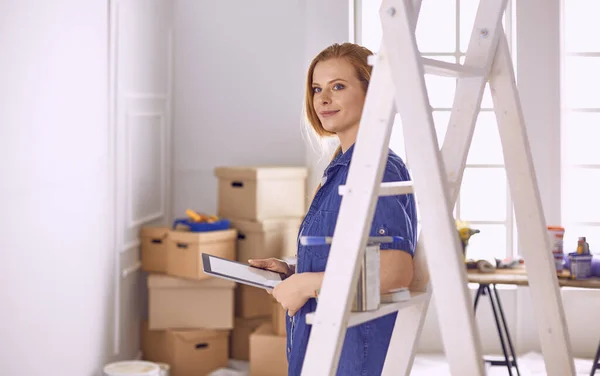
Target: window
pixel 581 123
pixel 443 32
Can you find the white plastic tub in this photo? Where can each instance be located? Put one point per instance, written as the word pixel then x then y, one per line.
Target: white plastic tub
pixel 132 368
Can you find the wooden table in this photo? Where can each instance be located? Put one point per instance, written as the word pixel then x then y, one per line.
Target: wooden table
pixel 518 277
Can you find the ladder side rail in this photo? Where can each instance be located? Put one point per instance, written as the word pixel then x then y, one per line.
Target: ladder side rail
pixel 444 252
pixel 469 91
pixel 467 102
pixel 531 223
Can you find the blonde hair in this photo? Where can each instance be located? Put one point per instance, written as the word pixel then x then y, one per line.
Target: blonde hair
pixel 354 54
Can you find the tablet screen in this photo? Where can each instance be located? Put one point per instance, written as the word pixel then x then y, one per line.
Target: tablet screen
pixel 239 272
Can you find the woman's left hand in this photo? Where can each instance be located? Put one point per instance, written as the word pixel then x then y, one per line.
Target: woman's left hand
pixel 294 291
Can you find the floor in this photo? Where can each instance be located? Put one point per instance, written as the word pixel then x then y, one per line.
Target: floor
pixel 531 364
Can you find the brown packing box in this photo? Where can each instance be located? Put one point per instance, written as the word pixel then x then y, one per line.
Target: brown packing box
pixel 278 318
pixel 189 352
pixel 268 238
pixel 154 249
pixel 259 193
pixel 252 302
pixel 182 303
pixel 267 353
pixel 240 336
pixel 185 250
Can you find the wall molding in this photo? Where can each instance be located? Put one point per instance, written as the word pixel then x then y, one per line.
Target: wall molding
pixel 130 115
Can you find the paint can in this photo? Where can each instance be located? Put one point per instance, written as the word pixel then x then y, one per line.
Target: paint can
pixel 368 296
pixel 557 234
pixel 559 261
pixel 580 265
pixel 132 368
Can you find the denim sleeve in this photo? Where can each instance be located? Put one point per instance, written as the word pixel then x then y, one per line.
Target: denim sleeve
pixel 396 215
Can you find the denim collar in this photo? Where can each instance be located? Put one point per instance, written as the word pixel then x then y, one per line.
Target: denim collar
pixel 343 159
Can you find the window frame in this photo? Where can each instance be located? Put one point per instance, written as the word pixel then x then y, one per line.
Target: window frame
pixel 568 167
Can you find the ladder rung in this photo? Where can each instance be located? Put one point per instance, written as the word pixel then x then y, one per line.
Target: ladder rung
pixel 392 188
pixel 443 68
pixel 357 318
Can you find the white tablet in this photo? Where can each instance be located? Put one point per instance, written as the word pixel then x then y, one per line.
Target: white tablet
pixel 238 272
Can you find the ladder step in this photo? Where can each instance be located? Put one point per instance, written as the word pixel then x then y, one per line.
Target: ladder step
pixel 443 68
pixel 357 318
pixel 392 188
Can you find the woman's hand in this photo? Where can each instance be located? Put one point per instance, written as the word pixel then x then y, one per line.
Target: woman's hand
pixel 273 265
pixel 293 292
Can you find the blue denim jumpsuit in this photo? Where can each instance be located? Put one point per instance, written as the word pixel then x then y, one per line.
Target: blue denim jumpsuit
pixel 365 346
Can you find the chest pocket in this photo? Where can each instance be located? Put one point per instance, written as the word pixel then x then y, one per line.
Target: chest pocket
pixel 322 225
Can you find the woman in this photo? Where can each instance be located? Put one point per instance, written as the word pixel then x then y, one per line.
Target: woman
pixel 336 87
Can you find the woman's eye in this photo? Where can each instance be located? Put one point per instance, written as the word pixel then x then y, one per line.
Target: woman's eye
pixel 338 87
pixel 316 89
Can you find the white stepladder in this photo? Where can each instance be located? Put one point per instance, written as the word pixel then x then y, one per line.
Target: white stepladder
pixel 397 84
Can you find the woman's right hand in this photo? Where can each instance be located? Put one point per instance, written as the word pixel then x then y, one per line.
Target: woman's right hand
pixel 274 265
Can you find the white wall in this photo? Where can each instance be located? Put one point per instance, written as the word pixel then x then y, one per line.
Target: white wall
pixel 327 22
pixel 55 261
pixel 238 85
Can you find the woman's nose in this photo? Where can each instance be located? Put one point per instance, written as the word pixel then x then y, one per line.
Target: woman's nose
pixel 325 99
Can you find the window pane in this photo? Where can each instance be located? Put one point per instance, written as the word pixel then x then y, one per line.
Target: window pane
pixel 580 196
pixel 486 147
pixel 490 243
pixel 468 11
pixel 582 132
pixel 581 25
pixel 582 81
pixel 440 119
pixel 573 232
pixel 441 89
pixel 483 194
pixel 436 26
pixel 397 138
pixel 370 24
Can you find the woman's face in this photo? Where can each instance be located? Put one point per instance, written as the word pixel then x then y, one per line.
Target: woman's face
pixel 338 96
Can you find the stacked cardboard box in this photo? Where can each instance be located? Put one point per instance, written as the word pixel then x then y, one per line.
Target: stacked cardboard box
pixel 266 206
pixel 268 345
pixel 190 315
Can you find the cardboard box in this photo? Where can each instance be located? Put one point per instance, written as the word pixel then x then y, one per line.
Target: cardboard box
pixel 278 318
pixel 268 353
pixel 269 238
pixel 181 303
pixel 185 250
pixel 259 193
pixel 240 336
pixel 252 302
pixel 154 249
pixel 189 352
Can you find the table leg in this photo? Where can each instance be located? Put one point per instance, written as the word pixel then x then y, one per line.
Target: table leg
pixel 480 291
pixel 596 361
pixel 510 345
pixel 500 334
